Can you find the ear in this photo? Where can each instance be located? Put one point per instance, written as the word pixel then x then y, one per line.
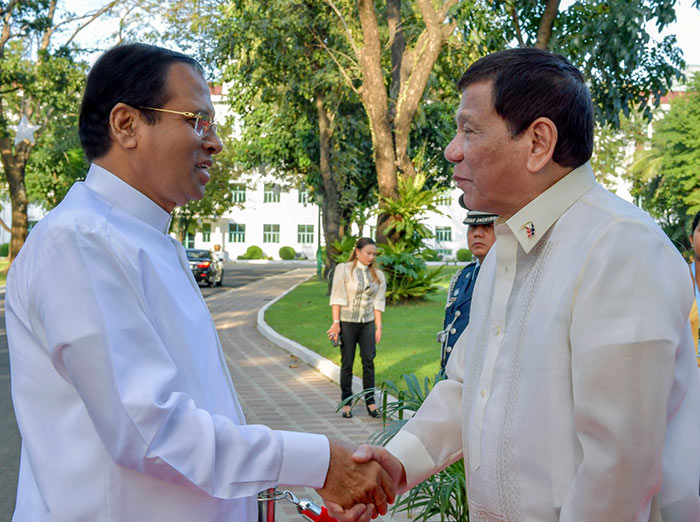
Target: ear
pixel 543 138
pixel 123 124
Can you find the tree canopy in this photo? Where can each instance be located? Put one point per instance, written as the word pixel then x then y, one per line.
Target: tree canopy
pixel 666 174
pixel 40 81
pixel 625 68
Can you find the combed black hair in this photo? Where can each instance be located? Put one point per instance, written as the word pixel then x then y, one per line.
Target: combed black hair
pixel 134 74
pixel 530 83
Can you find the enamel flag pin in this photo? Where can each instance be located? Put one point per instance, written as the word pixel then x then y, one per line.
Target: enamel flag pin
pixel 529 227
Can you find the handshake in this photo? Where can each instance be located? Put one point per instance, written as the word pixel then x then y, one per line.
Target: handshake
pixel 361 482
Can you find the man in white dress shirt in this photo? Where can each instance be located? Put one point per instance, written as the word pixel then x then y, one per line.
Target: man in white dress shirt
pixel 573 396
pixel 123 399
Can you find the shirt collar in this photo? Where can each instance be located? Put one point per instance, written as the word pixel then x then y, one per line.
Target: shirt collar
pixel 533 221
pixel 125 197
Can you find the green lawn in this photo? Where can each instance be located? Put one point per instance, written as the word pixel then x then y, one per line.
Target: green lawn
pixel 4 264
pixel 408 343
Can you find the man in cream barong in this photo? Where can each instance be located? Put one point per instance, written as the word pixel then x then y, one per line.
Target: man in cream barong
pixel 573 393
pixel 125 404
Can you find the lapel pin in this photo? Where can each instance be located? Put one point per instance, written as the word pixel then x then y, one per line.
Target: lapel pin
pixel 529 227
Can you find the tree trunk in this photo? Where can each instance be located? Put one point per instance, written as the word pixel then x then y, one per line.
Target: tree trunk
pixel 331 205
pixel 14 166
pixel 544 32
pixel 417 65
pixel 411 68
pixel 398 45
pixel 375 100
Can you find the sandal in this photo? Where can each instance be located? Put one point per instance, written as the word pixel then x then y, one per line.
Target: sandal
pixel 373 413
pixel 347 414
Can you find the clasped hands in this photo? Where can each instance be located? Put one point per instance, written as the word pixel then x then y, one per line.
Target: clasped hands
pixel 361 482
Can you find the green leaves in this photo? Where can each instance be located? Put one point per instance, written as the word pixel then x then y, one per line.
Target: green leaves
pixel 665 176
pixel 624 68
pixel 442 495
pixel 408 277
pixel 55 164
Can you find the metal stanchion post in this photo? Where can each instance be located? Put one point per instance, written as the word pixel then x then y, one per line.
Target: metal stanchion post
pixel 270 515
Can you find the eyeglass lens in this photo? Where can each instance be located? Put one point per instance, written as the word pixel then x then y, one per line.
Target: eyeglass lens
pixel 203 125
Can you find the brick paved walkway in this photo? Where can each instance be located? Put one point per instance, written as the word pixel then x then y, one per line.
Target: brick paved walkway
pixel 272 387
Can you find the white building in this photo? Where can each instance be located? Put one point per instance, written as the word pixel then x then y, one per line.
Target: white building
pixel 270 217
pixel 273 217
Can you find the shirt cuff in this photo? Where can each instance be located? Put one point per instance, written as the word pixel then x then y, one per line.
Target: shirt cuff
pixel 305 459
pixel 416 460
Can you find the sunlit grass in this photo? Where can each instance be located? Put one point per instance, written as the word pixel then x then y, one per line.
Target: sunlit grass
pixel 4 266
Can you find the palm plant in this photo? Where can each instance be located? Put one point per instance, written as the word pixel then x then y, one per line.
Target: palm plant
pixel 407 275
pixel 444 494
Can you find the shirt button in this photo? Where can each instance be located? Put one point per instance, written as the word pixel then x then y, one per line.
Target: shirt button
pixel 453 331
pixel 505 269
pixel 483 393
pixel 449 349
pixel 496 330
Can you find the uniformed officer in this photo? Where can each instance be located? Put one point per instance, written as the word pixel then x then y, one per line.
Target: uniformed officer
pixel 480 237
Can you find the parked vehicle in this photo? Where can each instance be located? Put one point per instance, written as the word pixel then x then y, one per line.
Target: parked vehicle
pixel 206 266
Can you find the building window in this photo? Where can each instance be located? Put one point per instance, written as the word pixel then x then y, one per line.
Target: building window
pixel 189 240
pixel 373 232
pixel 443 233
pixel 305 234
pixel 236 233
pixel 206 232
pixel 444 198
pixel 271 233
pixel 272 193
pixel 444 252
pixel 238 193
pixel 303 195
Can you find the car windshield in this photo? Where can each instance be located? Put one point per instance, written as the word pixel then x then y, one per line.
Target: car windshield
pixel 196 255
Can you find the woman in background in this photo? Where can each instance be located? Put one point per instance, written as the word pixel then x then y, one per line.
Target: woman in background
pixel 357 302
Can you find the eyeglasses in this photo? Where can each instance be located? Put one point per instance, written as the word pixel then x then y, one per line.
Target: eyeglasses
pixel 202 121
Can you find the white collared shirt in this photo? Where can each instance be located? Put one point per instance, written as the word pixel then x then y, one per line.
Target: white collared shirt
pixel 122 396
pixel 576 379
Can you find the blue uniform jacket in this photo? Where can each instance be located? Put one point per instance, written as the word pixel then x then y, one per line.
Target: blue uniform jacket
pixel 459 300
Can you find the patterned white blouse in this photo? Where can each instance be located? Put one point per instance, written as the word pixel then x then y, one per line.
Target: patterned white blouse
pixel 357 293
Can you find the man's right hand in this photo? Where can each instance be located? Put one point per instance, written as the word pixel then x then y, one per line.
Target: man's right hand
pixel 350 482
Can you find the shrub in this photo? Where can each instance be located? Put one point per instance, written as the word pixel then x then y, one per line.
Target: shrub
pixel 430 254
pixel 345 247
pixel 401 259
pixel 287 253
pixel 253 252
pixel 464 255
pixel 407 276
pixel 4 250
